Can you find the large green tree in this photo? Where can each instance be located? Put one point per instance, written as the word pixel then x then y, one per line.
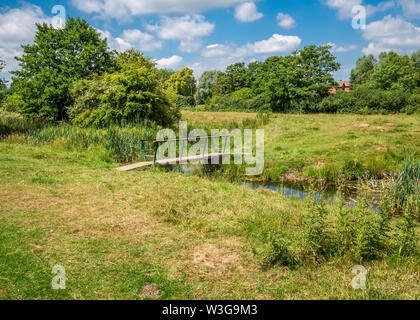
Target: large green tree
pixel 297 82
pixel 396 71
pixel 56 59
pixel 205 85
pixel 236 77
pixel 181 87
pixel 363 71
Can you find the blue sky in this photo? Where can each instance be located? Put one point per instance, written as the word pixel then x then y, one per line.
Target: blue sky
pixel 212 34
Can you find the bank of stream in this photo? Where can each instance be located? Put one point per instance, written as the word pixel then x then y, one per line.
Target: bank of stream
pixel 295 190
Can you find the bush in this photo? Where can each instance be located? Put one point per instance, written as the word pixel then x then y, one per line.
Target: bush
pixel 232 103
pixel 244 94
pixel 12 103
pixel 365 99
pixel 129 95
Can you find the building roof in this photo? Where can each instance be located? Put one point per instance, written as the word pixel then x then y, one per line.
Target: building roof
pixel 342 83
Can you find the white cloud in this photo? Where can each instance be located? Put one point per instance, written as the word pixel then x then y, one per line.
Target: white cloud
pixel 277 43
pixel 375 49
pixel 285 20
pixel 188 29
pixel 131 38
pixel 392 32
pixel 219 56
pixel 346 49
pixel 344 7
pixel 216 50
pixel 17 27
pixel 247 12
pixel 381 7
pixel 411 8
pixel 128 8
pixel 169 63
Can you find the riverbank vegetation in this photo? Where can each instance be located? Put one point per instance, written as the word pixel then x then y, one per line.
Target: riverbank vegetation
pixel 192 238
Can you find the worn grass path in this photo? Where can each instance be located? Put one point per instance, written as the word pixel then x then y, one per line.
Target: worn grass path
pixel 118 232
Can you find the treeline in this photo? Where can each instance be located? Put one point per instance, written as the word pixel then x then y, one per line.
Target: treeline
pixel 300 83
pixel 390 84
pixel 70 74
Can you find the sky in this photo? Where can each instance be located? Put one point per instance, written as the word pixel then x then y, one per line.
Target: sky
pixel 207 35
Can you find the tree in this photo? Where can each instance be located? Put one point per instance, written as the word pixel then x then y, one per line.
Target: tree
pixel 3 88
pixel 396 72
pixel 54 62
pixel 181 87
pixel 415 57
pixel 363 71
pixel 297 82
pixel 236 77
pixel 164 75
pixel 2 82
pixel 206 83
pixel 131 93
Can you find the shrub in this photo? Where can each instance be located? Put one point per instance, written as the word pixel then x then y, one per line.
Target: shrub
pixel 365 99
pixel 12 103
pixel 131 94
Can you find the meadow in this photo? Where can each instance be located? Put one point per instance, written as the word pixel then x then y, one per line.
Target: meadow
pixel 319 146
pixel 153 234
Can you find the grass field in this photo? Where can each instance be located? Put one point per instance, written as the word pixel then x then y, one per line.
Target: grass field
pixel 154 234
pixel 319 146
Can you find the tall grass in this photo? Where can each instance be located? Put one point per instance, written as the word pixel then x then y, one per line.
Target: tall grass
pixel 401 190
pixel 122 143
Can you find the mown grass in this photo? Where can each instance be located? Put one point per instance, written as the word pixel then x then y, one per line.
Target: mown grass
pixel 319 146
pixel 194 238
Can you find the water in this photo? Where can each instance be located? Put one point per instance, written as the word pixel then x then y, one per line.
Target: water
pixel 297 191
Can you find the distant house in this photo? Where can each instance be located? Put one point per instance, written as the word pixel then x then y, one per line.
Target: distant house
pixel 343 85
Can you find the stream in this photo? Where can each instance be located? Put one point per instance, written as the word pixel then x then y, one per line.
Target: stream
pixel 297 191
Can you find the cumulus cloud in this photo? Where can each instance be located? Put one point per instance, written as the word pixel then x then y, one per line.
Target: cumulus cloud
pixel 346 49
pixel 335 48
pixel 128 8
pixel 375 49
pixel 411 8
pixel 344 7
pixel 277 43
pixel 392 32
pixel 219 56
pixel 189 29
pixel 169 63
pixel 285 20
pixel 247 12
pixel 17 27
pixel 131 39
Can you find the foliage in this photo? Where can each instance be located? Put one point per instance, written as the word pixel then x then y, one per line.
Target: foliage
pixel 130 94
pixel 297 82
pixel 12 103
pixel 205 86
pixel 236 77
pixel 365 99
pixel 401 190
pixel 396 72
pixel 363 71
pixel 57 58
pixel 181 83
pixel 164 75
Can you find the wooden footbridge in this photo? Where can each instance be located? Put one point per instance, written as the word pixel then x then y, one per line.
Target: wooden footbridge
pixel 188 159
